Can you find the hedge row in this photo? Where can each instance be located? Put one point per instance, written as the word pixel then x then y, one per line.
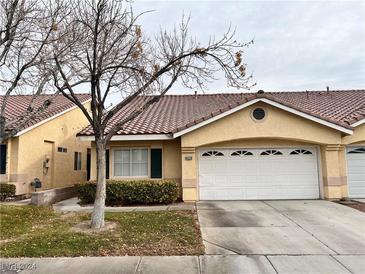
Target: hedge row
pixel 131 192
pixel 6 190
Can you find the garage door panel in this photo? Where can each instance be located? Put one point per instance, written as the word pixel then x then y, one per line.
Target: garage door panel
pixel 259 176
pixel 218 167
pixel 238 172
pixel 298 179
pixel 222 194
pixel 357 191
pixel 239 179
pixel 213 180
pixel 357 177
pixel 256 193
pixel 206 180
pixel 356 165
pixel 303 167
pixel 282 192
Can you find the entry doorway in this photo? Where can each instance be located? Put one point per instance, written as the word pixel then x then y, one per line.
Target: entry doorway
pixel 48 165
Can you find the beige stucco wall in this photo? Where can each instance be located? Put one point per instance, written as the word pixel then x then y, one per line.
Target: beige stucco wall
pixel 171 151
pixel 27 152
pixel 257 143
pixel 278 124
pixel 358 137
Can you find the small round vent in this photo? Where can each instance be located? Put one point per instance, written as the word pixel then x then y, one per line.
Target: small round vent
pixel 258 113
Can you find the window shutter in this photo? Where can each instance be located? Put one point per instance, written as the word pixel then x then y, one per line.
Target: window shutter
pixel 79 165
pixel 3 159
pixel 75 160
pixel 107 164
pixel 156 163
pixel 88 164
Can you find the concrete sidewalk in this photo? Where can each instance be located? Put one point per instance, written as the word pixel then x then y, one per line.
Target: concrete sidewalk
pixel 20 202
pixel 71 205
pixel 208 264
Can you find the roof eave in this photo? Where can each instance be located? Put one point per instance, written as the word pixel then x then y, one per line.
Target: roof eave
pixel 131 137
pixel 358 123
pixel 48 119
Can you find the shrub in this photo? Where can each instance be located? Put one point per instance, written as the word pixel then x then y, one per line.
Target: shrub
pixel 6 190
pixel 131 192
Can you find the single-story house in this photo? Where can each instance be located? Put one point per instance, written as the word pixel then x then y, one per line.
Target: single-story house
pixel 264 145
pixel 45 147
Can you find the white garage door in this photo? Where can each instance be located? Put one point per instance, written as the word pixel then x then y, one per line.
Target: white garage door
pixel 253 174
pixel 356 172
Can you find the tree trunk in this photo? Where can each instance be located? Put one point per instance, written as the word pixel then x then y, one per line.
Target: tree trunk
pixel 97 217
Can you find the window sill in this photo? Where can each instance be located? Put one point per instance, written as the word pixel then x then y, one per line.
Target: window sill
pixel 128 177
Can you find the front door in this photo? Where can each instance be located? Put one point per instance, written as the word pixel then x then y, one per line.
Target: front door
pixel 48 165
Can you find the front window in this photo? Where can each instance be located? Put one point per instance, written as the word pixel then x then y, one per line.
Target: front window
pixel 131 162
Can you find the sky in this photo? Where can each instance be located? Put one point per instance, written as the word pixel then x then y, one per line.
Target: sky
pixel 298 45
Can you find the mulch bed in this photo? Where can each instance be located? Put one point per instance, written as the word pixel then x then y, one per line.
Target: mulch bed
pixel 358 206
pixel 354 204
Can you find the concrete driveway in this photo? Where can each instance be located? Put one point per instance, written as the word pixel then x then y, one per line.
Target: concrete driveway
pixel 299 236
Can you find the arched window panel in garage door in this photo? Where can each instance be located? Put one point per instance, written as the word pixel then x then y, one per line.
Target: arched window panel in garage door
pixel 271 152
pixel 212 153
pixel 242 153
pixel 301 152
pixel 357 150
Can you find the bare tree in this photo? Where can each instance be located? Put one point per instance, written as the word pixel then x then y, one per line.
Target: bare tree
pixel 26 33
pixel 106 47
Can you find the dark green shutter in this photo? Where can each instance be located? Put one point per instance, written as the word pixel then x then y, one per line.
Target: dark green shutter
pixel 156 163
pixel 88 164
pixel 107 163
pixel 2 159
pixel 75 161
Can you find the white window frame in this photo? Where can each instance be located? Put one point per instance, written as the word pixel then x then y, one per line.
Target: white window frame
pixel 130 163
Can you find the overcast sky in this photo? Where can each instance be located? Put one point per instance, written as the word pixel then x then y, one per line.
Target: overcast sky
pixel 298 45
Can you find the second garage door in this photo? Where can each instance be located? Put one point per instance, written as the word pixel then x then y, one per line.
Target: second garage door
pixel 356 172
pixel 254 174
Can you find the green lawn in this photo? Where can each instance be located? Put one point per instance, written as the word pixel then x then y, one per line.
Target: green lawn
pixel 31 231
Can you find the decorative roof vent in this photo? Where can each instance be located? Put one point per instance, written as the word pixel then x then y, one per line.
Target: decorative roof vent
pixel 260 91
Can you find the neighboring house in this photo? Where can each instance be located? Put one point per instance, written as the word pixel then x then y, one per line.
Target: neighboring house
pixel 46 147
pixel 265 145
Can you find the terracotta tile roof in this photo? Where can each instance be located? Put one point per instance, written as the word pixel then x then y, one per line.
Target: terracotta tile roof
pixel 17 106
pixel 174 113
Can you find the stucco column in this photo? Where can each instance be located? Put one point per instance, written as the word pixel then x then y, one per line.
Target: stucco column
pixel 189 174
pixel 334 171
